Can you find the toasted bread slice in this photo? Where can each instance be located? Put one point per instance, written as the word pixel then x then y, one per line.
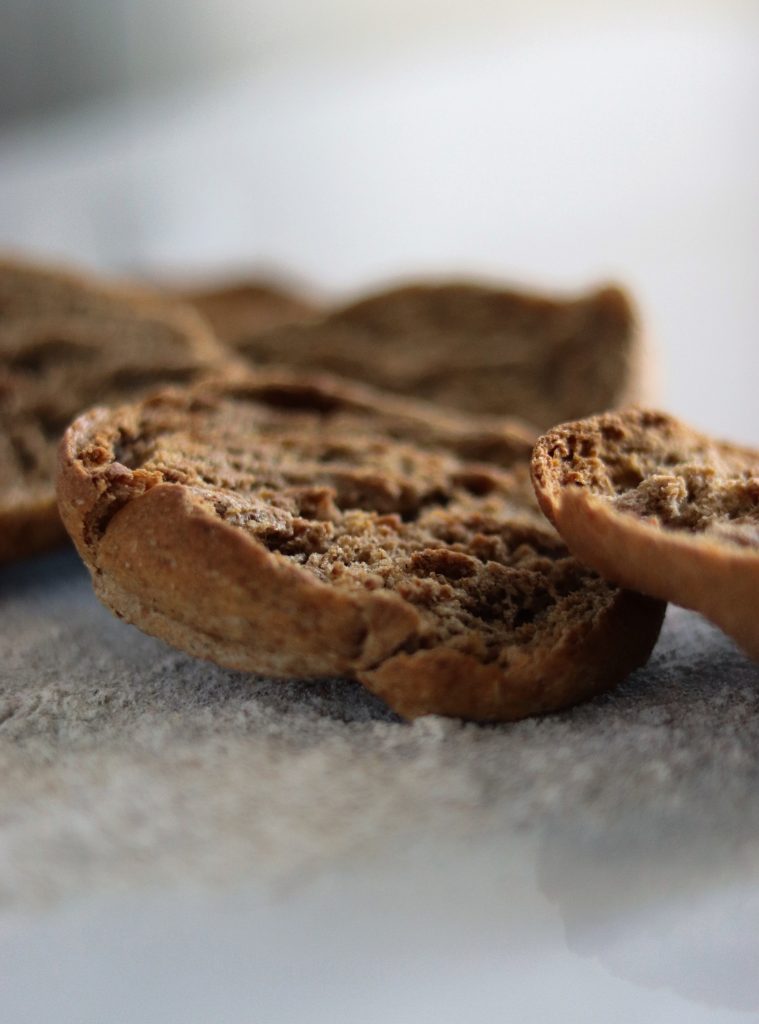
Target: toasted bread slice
pixel 473 348
pixel 67 342
pixel 654 505
pixel 308 528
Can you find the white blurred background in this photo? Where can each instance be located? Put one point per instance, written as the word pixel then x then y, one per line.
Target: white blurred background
pixel 344 142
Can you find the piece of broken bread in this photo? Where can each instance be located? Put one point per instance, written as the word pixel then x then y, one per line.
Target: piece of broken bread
pixel 659 507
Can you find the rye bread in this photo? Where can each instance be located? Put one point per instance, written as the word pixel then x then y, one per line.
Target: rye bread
pixel 474 348
pixel 311 529
pixel 655 505
pixel 67 342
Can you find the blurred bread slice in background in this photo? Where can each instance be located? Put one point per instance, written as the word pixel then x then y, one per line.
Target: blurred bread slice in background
pixel 467 345
pixel 68 341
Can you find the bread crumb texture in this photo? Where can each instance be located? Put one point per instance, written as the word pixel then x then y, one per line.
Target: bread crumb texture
pixel 657 506
pixel 651 466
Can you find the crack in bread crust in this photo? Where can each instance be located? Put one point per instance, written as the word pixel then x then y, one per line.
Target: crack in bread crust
pixel 366 511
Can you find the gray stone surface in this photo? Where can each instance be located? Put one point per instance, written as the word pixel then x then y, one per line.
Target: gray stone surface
pixel 125 763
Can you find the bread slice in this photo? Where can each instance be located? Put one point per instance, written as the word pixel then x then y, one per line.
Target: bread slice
pixel 306 528
pixel 473 348
pixel 655 505
pixel 65 343
pixel 239 310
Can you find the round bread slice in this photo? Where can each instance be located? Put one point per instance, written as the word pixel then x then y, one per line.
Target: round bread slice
pixel 655 505
pixel 474 348
pixel 65 343
pixel 306 528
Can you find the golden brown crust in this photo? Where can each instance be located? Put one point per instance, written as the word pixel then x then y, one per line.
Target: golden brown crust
pixel 65 342
pixel 311 529
pixel 658 507
pixel 474 348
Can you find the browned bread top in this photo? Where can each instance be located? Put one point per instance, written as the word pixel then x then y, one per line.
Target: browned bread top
pixel 472 347
pixel 307 528
pixel 65 343
pixel 658 506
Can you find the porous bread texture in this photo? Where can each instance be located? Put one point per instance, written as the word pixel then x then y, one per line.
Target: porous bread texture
pixel 67 342
pixel 655 505
pixel 238 310
pixel 473 347
pixel 303 528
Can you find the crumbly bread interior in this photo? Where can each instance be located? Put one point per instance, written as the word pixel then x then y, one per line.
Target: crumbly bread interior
pixel 652 466
pixel 439 512
pixel 65 344
pixel 472 347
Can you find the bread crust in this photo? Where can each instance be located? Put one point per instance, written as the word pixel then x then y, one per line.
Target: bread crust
pixel 699 570
pixel 65 341
pixel 161 559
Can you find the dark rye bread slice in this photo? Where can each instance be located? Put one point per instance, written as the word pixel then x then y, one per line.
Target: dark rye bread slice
pixel 67 342
pixel 474 348
pixel 238 310
pixel 659 507
pixel 308 529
